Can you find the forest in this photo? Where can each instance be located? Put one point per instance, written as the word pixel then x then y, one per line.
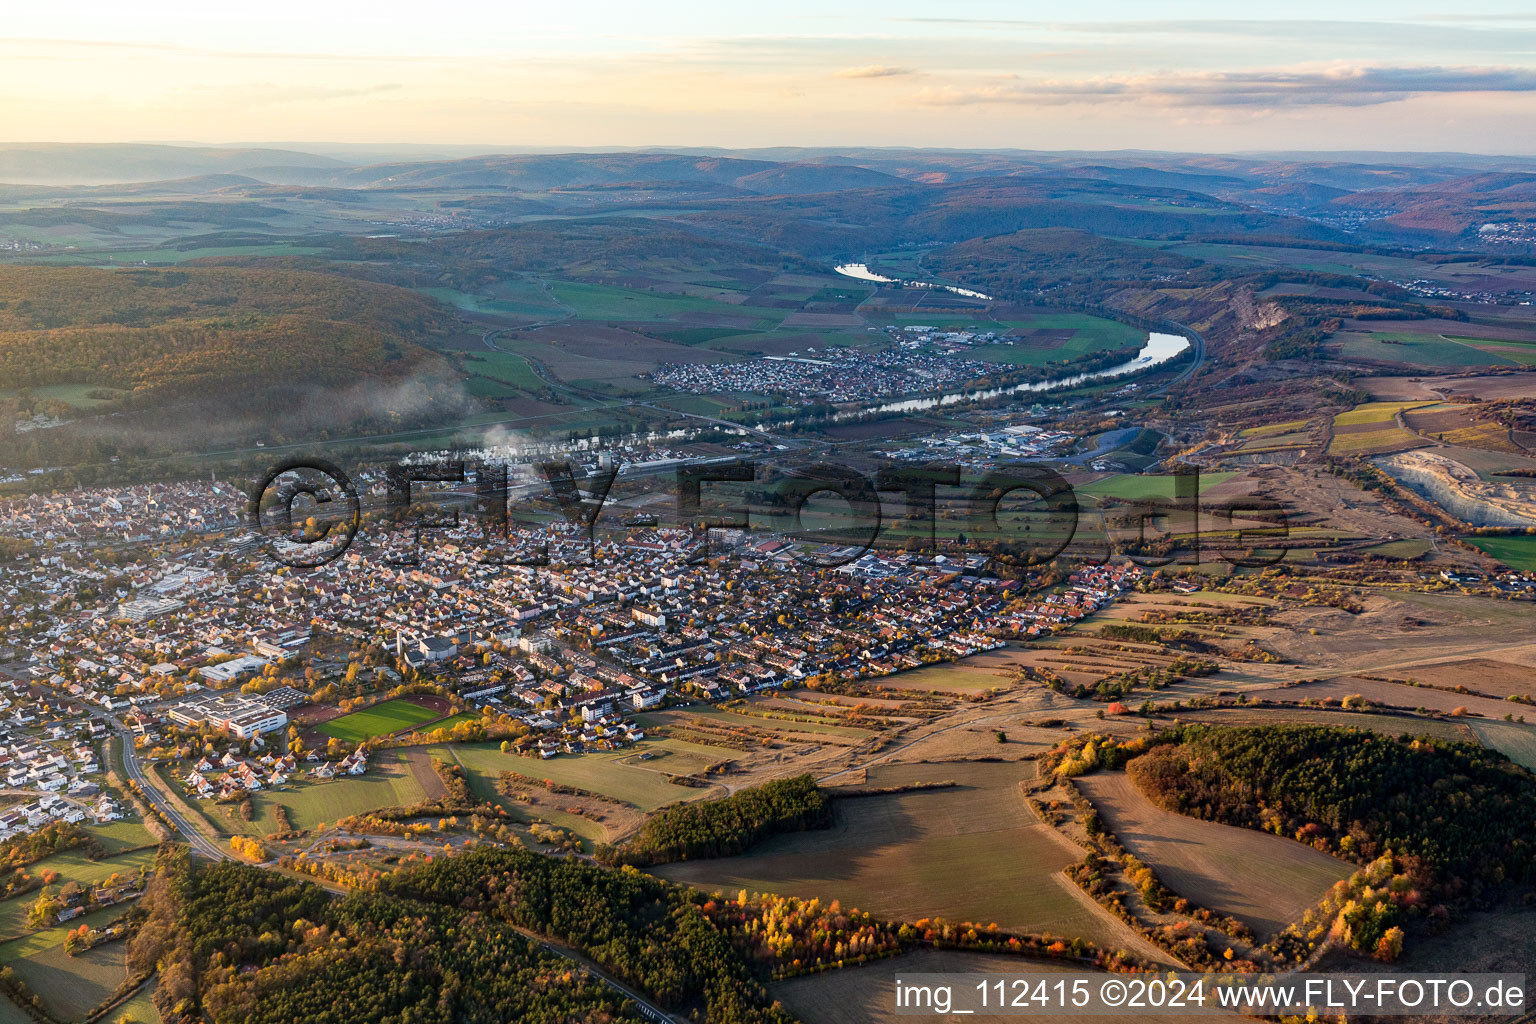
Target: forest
pixel 147 330
pixel 726 827
pixel 440 942
pixel 1468 814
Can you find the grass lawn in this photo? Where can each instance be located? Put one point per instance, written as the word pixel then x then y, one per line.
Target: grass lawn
pixel 139 1008
pixel 508 367
pixel 379 720
pixel 72 986
pixel 76 395
pixel 72 866
pixel 121 835
pixel 387 783
pixel 1516 552
pixel 738 720
pixel 606 302
pixel 1512 739
pixel 971 853
pixel 607 773
pixel 1399 548
pixel 1134 487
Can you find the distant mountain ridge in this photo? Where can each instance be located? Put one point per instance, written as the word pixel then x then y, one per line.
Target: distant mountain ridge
pixel 50 163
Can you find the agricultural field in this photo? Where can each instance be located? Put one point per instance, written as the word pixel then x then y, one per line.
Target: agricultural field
pixel 990 670
pixel 617 775
pixel 1514 740
pixel 515 297
pixel 1262 879
pixel 1517 552
pixel 72 986
pixel 1488 676
pixel 167 256
pixel 1133 487
pixel 1454 424
pixel 1390 694
pixel 602 354
pixel 746 719
pixel 1058 337
pixel 607 302
pixel 502 367
pixel 1371 428
pixel 1286 434
pixel 1426 350
pixel 971 853
pixel 378 720
pixel 866 995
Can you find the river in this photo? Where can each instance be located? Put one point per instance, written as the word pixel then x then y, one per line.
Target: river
pixel 1159 348
pixel 861 272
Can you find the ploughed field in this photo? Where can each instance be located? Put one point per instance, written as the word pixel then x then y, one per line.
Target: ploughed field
pixel 1262 879
pixel 973 853
pixel 867 994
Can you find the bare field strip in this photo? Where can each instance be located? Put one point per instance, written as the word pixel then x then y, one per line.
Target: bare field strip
pixel 1484 675
pixel 865 995
pixel 72 986
pixel 1388 725
pixel 1395 694
pixel 970 853
pixel 1262 879
pixel 1515 741
pixel 989 670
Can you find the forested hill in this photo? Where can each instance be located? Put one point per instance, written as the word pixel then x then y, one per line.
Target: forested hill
pixel 439 945
pixel 157 330
pixel 1467 813
pixel 726 827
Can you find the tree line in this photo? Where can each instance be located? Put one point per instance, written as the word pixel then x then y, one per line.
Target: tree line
pixel 725 827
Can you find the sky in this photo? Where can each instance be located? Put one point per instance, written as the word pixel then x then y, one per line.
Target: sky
pixel 1091 74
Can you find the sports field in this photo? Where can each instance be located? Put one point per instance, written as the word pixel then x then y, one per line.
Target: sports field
pixel 379 720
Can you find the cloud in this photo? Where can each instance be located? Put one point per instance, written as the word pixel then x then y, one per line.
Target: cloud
pixel 875 71
pixel 1339 87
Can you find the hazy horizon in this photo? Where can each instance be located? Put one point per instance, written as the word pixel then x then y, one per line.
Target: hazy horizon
pixel 990 75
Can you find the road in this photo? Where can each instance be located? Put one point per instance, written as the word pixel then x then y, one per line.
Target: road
pixel 647 1008
pixel 195 838
pixel 1198 361
pixel 202 845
